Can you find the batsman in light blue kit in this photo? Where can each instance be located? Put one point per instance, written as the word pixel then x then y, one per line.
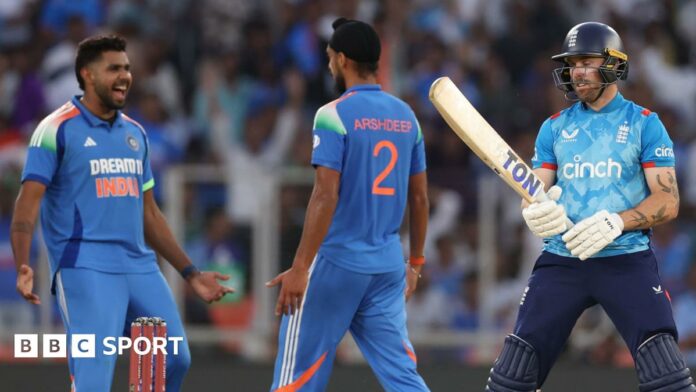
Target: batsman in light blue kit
pixel 88 170
pixel 612 163
pixel 349 271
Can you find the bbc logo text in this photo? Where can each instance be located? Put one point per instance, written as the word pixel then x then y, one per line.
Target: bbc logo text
pixel 86 345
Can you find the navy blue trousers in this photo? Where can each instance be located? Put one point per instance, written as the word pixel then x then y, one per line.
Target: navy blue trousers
pixel 560 288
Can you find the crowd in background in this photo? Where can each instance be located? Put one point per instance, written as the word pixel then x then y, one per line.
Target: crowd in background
pixel 236 83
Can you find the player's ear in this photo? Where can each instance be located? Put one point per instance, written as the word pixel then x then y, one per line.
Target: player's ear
pixel 87 74
pixel 341 59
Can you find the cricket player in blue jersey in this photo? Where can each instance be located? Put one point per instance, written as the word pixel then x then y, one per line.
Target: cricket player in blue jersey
pixel 612 163
pixel 88 170
pixel 349 272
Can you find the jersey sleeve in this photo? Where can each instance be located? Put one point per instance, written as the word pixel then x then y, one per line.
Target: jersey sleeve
pixel 329 137
pixel 657 149
pixel 43 155
pixel 544 156
pixel 418 155
pixel 148 179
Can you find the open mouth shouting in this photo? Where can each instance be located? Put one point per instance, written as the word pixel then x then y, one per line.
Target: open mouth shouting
pixel 119 91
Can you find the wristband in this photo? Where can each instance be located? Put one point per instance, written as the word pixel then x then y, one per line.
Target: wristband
pixel 188 271
pixel 416 260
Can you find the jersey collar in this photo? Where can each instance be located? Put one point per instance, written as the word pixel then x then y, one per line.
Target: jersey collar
pixel 93 120
pixel 363 87
pixel 614 104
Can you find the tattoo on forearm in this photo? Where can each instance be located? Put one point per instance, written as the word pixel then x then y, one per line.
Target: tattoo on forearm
pixel 665 188
pixel 660 215
pixel 669 187
pixel 673 185
pixel 22 227
pixel 639 218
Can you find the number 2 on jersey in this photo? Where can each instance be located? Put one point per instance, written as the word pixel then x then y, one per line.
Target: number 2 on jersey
pixel 394 154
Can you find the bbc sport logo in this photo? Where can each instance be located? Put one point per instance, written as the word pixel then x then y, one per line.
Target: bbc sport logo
pixel 85 345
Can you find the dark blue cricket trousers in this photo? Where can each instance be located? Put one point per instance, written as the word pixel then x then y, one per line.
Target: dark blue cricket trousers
pixel 560 288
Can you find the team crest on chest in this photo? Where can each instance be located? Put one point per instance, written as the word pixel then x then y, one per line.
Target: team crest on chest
pixel 622 133
pixel 132 142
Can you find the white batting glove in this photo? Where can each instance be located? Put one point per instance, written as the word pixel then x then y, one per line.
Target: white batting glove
pixel 547 218
pixel 593 234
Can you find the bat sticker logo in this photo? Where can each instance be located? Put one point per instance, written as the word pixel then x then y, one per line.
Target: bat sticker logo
pixel 522 174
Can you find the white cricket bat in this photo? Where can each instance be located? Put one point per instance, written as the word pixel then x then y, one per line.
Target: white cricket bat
pixel 484 141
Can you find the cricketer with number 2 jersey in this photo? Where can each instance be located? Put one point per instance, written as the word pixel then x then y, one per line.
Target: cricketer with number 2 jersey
pixel 349 272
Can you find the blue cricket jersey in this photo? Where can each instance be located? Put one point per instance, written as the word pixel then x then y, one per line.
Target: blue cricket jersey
pixel 375 141
pixel 95 174
pixel 599 159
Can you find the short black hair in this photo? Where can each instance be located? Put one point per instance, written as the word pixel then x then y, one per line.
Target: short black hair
pixel 91 49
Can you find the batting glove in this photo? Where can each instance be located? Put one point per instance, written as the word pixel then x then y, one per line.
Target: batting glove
pixel 547 218
pixel 593 234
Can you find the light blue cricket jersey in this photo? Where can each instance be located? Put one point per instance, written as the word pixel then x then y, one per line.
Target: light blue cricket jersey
pixel 375 141
pixel 599 159
pixel 95 175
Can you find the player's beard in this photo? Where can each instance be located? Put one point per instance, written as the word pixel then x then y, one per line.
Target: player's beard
pixel 340 83
pixel 105 96
pixel 588 95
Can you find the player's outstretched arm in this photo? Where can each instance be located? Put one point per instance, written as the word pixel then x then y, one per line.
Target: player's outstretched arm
pixel 160 238
pixel 320 210
pixel 418 209
pixel 21 230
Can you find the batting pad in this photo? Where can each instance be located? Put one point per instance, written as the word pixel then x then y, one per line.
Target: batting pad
pixel 516 369
pixel 661 367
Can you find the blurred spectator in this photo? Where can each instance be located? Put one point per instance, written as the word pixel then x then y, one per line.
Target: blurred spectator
pixel 158 76
pixel 268 133
pixel 221 102
pixel 445 271
pixel 427 309
pixel 445 206
pixel 58 66
pixel 217 250
pixel 465 315
pixel 15 313
pixel 673 249
pixel 29 104
pixel 56 14
pixel 302 47
pixel 12 147
pixel 685 317
pixel 167 137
